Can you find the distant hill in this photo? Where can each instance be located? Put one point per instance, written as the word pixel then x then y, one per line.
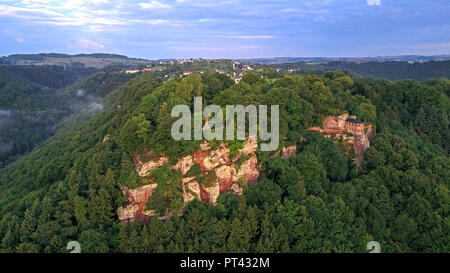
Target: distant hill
pixel 391 70
pixel 95 60
pixel 397 70
pixel 402 58
pixel 50 76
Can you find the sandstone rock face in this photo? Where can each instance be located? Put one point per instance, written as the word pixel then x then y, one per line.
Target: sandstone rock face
pixel 191 189
pixel 185 164
pixel 248 171
pixel 237 189
pixel 199 158
pixel 210 194
pixel 369 132
pixel 106 138
pixel 139 195
pixel 128 213
pixel 220 156
pixel 250 147
pixel 214 163
pixel 209 160
pixel 288 152
pixel 138 199
pixel 219 161
pixel 360 144
pixel 224 177
pixel 144 168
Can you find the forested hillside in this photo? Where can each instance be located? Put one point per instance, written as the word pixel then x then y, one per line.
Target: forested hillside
pixel 391 70
pixel 35 99
pixel 80 61
pixel 397 70
pixel 47 75
pixel 317 201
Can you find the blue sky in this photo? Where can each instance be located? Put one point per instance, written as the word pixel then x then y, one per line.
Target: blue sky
pixel 226 28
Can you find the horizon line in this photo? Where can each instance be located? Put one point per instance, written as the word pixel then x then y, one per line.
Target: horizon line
pixel 245 58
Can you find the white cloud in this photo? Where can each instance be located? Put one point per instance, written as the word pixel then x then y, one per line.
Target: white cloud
pixel 85 44
pixel 156 21
pixel 149 21
pixel 35 3
pixel 67 4
pixel 373 2
pixel 27 13
pixel 94 15
pixel 245 36
pixel 154 5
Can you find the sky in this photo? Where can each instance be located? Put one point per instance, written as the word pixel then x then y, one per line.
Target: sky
pixel 157 29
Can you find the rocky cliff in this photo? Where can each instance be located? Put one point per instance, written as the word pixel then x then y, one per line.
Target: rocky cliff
pixel 219 173
pixel 137 199
pixel 361 143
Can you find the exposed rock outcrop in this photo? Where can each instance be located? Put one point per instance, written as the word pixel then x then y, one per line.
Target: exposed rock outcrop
pixel 191 189
pixel 106 138
pixel 137 199
pixel 143 168
pixel 361 143
pixel 220 173
pixel 225 177
pixel 288 152
pixel 250 147
pixel 185 164
pixel 211 193
pixel 248 171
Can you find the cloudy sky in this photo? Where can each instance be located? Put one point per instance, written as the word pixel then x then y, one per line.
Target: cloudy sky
pixel 226 28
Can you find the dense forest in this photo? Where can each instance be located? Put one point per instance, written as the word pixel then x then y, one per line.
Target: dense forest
pixel 317 201
pixel 397 70
pixel 391 70
pixel 35 99
pixel 49 76
pixel 77 61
